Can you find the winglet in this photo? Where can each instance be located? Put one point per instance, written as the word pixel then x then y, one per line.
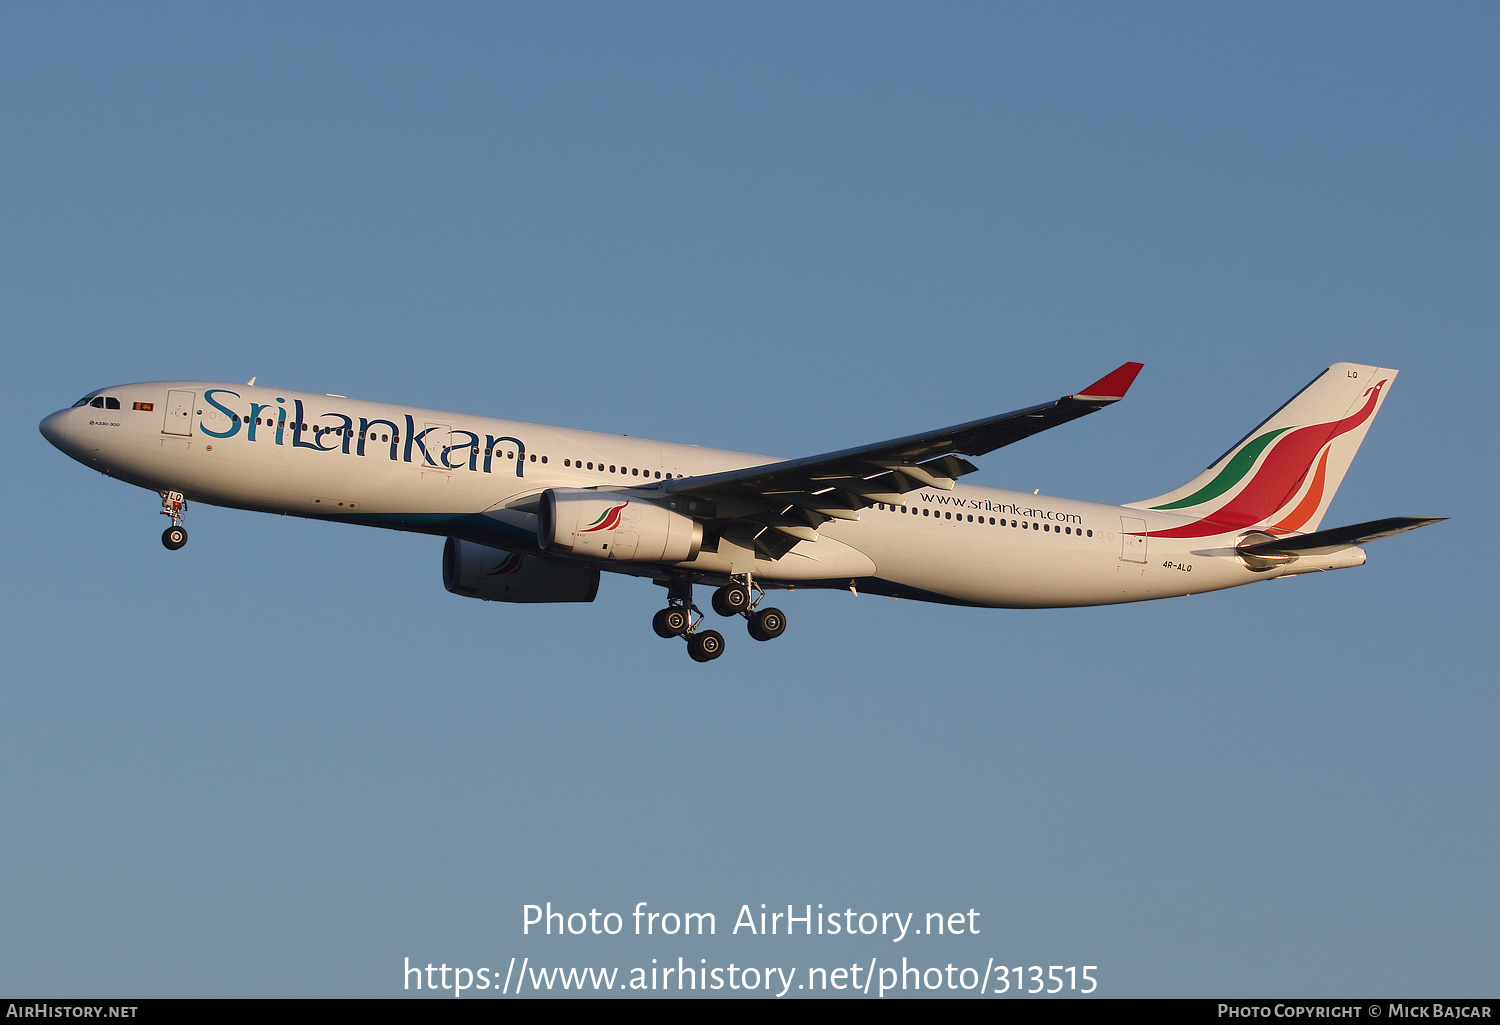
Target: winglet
pixel 1112 386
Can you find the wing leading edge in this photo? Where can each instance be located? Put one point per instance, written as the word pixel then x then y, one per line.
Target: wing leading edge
pixel 773 506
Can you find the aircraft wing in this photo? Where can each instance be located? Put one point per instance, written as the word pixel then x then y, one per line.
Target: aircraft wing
pixel 773 506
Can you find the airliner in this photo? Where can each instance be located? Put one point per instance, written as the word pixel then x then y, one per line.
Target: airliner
pixel 534 514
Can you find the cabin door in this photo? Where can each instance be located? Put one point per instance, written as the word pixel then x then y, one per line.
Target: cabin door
pixel 179 418
pixel 1132 539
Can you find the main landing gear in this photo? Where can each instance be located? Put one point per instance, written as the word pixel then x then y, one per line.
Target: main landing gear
pixel 740 597
pixel 173 505
pixel 681 618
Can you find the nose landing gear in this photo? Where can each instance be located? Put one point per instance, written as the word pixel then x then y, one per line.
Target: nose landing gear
pixel 173 505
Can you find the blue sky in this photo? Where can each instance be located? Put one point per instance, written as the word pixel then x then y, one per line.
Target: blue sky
pixel 283 759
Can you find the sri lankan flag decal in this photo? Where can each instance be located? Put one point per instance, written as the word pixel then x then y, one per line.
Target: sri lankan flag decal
pixel 608 520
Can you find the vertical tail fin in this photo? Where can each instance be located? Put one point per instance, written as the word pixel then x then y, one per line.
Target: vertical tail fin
pixel 1281 476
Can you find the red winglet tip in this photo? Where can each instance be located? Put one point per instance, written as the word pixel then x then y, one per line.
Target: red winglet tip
pixel 1113 385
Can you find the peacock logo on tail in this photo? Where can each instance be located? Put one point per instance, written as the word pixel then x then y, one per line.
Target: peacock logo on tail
pixel 1289 456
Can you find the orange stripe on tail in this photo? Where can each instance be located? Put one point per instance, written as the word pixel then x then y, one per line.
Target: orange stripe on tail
pixel 1310 501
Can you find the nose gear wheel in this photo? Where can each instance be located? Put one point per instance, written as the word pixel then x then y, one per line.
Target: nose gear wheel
pixel 173 505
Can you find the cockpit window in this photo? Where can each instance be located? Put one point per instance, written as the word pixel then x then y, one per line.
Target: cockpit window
pixel 98 402
pixel 82 402
pixel 111 403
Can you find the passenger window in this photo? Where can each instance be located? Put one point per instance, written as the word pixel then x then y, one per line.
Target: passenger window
pixel 635 473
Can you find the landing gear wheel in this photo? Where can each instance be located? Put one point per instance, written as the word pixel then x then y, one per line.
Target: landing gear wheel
pixel 731 599
pixel 705 646
pixel 766 624
pixel 672 622
pixel 174 538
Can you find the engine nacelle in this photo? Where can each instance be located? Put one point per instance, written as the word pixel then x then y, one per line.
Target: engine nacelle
pixel 478 571
pixel 607 525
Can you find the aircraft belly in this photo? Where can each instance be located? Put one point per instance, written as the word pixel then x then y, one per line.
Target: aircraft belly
pixel 262 476
pixel 1012 572
pixel 827 558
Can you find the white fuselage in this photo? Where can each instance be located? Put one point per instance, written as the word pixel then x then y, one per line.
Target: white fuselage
pixel 459 475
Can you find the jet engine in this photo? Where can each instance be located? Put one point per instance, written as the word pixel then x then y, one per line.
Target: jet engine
pixel 609 525
pixel 478 571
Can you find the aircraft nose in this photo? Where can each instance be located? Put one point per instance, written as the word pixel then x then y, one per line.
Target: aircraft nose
pixel 52 429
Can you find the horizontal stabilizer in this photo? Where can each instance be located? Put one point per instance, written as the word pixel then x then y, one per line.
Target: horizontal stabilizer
pixel 1324 541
